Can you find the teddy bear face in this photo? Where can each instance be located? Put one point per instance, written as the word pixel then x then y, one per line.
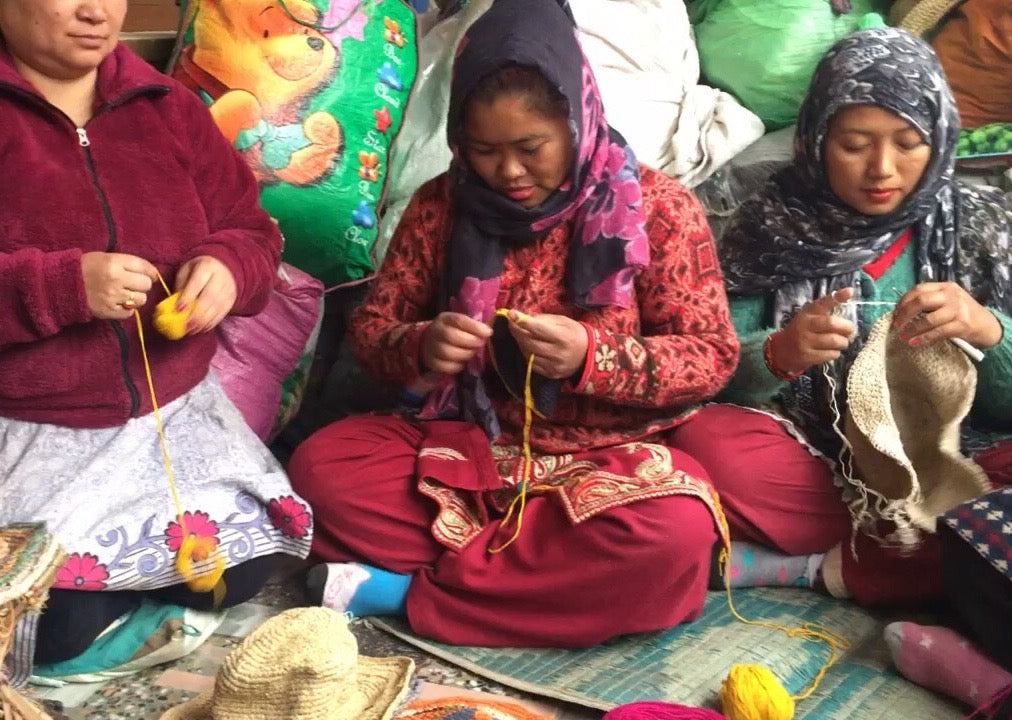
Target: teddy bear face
pixel 255 45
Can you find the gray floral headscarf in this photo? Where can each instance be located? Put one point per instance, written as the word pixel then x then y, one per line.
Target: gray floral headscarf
pixel 797 240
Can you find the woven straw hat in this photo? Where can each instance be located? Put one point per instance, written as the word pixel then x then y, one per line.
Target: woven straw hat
pixel 904 409
pixel 29 558
pixel 920 16
pixel 304 664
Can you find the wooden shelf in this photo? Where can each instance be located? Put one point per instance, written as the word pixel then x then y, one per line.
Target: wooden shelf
pixel 151 15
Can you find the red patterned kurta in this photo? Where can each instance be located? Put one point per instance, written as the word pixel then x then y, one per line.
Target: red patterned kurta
pixel 647 365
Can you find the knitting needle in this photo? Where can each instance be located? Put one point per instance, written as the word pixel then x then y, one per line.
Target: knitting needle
pixel 973 353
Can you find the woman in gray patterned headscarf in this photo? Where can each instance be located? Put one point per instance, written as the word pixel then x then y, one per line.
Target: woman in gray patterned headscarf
pixel 869 212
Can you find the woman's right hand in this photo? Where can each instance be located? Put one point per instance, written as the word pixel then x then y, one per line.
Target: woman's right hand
pixel 116 283
pixel 451 340
pixel 814 336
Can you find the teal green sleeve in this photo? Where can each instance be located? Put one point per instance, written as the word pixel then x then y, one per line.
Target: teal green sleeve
pixel 994 378
pixel 752 384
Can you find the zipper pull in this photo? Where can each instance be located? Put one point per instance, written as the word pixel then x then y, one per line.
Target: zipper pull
pixel 82 137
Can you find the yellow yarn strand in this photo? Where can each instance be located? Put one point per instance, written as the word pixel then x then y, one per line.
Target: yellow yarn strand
pixel 192 548
pixel 519 502
pixel 751 691
pixel 525 471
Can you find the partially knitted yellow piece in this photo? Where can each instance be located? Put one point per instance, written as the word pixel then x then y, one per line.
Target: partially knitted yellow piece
pixel 169 321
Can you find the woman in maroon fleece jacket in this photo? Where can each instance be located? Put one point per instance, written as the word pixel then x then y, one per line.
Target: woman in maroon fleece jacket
pixel 112 174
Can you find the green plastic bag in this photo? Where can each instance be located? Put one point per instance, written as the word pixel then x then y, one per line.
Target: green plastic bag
pixel 764 51
pixel 312 93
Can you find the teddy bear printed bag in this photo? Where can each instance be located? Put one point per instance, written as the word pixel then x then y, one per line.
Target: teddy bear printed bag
pixel 311 93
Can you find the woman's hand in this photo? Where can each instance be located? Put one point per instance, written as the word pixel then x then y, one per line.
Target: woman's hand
pixel 814 336
pixel 558 343
pixel 450 341
pixel 116 283
pixel 207 283
pixel 934 311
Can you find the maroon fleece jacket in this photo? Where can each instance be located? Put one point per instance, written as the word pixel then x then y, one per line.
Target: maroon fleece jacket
pixel 149 175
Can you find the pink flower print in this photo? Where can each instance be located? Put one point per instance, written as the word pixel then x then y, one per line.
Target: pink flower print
pixel 289 516
pixel 81 572
pixel 198 524
pixel 476 298
pixel 615 211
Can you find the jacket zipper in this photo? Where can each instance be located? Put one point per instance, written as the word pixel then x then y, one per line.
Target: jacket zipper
pixel 121 336
pixel 85 143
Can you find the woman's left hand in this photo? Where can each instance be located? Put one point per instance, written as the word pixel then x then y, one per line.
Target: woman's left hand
pixel 558 343
pixel 208 284
pixel 934 311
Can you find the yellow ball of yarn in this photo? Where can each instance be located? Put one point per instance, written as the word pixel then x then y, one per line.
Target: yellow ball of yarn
pixel 171 322
pixel 752 692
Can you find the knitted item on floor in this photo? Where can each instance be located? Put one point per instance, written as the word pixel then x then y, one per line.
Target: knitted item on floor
pixel 655 710
pixel 465 708
pixel 29 558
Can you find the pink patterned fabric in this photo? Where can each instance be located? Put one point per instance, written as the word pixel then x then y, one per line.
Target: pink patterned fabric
pixel 256 354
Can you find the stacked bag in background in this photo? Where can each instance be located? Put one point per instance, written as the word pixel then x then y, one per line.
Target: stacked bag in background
pixel 764 53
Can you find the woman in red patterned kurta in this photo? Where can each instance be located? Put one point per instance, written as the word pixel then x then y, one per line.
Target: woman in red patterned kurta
pixel 613 286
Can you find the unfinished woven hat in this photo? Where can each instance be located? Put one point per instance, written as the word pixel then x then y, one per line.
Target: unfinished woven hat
pixel 29 559
pixel 904 409
pixel 920 16
pixel 303 663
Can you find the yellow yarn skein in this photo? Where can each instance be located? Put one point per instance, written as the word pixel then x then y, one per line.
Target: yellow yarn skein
pixel 171 322
pixel 752 692
pixel 194 549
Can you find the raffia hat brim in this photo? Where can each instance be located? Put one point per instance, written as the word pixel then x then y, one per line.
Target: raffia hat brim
pixel 380 688
pixel 920 16
pixel 905 406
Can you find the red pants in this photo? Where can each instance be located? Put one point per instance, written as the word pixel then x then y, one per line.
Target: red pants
pixel 778 494
pixel 638 567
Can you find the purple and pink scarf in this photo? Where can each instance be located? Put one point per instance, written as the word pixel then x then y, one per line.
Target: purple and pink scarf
pixel 601 196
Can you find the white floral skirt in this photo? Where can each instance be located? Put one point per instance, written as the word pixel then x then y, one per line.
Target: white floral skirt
pixel 104 493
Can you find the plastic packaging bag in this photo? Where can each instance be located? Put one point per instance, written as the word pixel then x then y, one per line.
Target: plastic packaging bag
pixel 262 361
pixel 764 52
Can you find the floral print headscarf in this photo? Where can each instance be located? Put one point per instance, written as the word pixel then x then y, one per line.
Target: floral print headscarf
pixel 601 195
pixel 797 240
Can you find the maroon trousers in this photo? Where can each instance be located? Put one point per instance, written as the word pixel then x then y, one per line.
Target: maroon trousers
pixel 637 567
pixel 776 493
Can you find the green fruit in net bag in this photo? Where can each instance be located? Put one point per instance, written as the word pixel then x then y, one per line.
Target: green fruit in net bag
pixel 979 137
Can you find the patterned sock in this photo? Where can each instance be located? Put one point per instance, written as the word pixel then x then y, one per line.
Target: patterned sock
pixel 943 660
pixel 754 566
pixel 356 588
